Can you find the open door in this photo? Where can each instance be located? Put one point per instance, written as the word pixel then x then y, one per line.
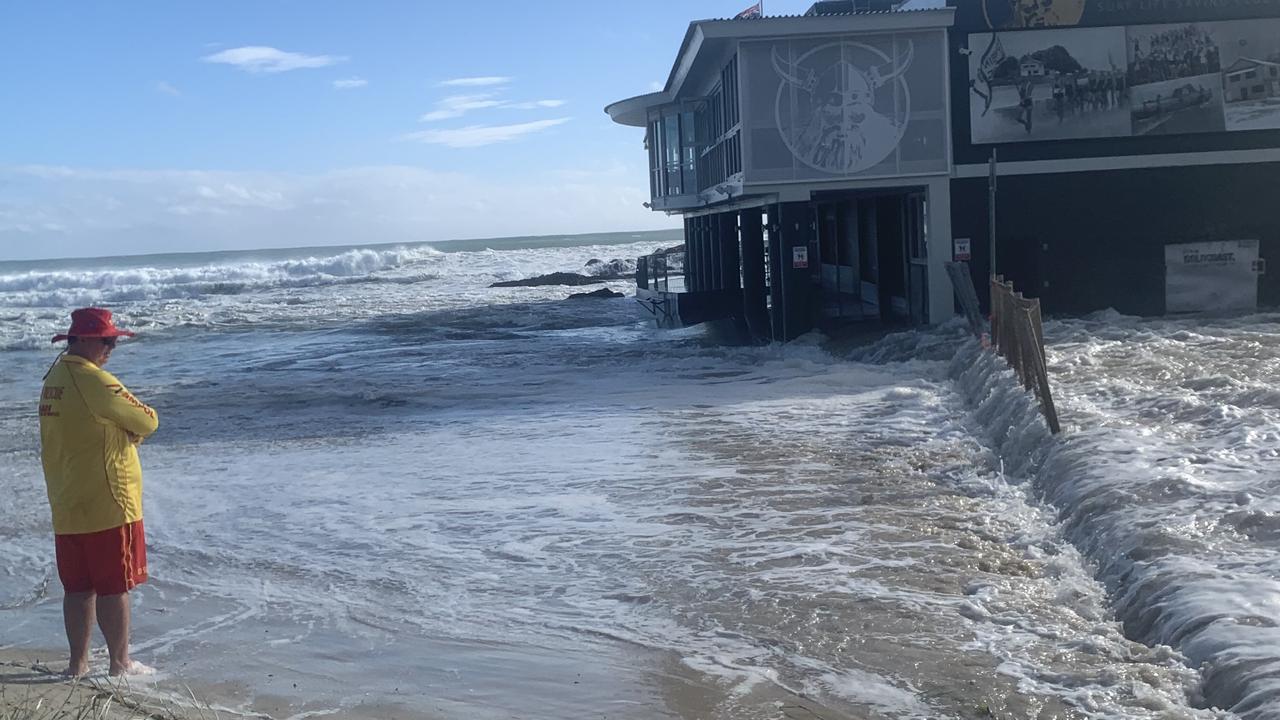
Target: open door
pixel 838 259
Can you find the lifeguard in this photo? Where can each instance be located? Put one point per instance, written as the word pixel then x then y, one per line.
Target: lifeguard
pixel 90 427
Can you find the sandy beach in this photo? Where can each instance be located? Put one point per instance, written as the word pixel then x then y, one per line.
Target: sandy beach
pixel 32 688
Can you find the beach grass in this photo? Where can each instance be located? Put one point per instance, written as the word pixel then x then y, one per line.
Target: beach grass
pixel 93 700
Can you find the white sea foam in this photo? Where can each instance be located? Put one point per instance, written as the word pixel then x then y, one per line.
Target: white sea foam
pixel 1155 481
pixel 35 288
pixel 486 490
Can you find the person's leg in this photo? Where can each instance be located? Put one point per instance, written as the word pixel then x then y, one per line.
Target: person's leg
pixel 113 618
pixel 78 617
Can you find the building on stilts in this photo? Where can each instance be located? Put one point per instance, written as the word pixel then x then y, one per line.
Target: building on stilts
pixel 828 166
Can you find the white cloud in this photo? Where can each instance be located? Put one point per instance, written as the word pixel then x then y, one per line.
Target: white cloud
pixel 484 81
pixel 256 58
pixel 657 86
pixel 167 89
pixel 481 135
pixel 49 211
pixel 350 83
pixel 535 104
pixel 459 105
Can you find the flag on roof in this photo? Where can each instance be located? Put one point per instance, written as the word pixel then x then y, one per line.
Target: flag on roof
pixel 754 11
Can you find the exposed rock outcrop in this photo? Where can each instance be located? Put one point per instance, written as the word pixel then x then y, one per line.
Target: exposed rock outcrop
pixel 555 278
pixel 601 293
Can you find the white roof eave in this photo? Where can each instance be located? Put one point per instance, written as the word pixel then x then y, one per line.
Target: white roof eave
pixel 635 111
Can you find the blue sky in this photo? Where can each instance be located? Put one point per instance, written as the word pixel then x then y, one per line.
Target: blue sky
pixel 148 126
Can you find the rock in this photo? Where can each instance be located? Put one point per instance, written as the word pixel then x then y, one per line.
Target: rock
pixel 616 269
pixel 601 293
pixel 555 278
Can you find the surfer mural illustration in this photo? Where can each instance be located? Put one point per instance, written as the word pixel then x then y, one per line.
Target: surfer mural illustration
pixel 842 107
pixel 1009 14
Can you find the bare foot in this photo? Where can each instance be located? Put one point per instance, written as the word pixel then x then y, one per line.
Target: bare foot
pixel 134 668
pixel 76 671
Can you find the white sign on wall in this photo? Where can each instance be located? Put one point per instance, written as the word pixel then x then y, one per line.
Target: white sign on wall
pixel 800 257
pixel 960 251
pixel 1211 276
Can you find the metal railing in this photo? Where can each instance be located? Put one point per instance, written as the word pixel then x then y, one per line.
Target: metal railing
pixel 661 271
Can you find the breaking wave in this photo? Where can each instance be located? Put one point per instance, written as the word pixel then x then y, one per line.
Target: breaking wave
pixel 85 287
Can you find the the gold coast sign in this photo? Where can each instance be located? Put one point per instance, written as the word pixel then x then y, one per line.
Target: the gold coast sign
pixel 1008 14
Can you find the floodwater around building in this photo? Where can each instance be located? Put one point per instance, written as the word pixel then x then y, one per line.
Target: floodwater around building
pixel 412 494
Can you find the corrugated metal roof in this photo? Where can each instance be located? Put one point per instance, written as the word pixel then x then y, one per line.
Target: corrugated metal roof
pixel 825 15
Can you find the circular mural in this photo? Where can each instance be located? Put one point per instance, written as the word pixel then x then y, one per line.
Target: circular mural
pixel 842 107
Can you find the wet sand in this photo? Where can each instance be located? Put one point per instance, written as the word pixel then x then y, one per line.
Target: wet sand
pixel 32 686
pixel 31 679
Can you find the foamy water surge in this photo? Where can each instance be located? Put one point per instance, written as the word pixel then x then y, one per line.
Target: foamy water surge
pixel 1166 480
pixel 415 495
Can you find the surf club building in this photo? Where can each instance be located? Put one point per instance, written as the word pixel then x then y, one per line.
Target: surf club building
pixel 828 166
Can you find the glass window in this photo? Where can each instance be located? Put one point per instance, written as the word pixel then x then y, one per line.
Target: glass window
pixel 689 150
pixel 674 186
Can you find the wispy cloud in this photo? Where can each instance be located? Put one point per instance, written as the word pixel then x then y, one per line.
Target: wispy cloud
pixel 257 58
pixel 456 106
pixel 168 89
pixel 350 83
pixel 484 81
pixel 656 86
pixel 459 105
pixel 481 135
pixel 534 105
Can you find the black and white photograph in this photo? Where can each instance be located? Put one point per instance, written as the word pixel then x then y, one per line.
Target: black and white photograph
pixel 1048 85
pixel 1159 53
pixel 1251 74
pixel 1175 107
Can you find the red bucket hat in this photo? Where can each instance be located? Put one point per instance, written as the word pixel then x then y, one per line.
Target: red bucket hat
pixel 92 323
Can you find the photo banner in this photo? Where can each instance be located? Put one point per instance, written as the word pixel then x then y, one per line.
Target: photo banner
pixel 1019 14
pixel 1098 82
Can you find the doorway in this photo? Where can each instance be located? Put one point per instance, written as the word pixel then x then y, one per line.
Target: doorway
pixel 873 257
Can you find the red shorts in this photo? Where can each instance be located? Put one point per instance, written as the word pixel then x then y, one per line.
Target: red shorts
pixel 109 562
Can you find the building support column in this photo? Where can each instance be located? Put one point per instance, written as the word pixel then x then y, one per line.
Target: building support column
pixel 704 255
pixel 796 230
pixel 942 304
pixel 713 245
pixel 690 254
pixel 730 258
pixel 755 310
pixel 776 302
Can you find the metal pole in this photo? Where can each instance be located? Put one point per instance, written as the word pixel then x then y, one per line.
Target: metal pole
pixel 991 208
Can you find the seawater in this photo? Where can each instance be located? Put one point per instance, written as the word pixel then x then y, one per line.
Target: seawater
pixel 383 488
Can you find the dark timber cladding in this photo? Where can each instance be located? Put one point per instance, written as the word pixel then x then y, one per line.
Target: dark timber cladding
pixel 1136 139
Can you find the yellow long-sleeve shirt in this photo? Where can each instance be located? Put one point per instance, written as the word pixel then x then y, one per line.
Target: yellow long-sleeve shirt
pixel 91 466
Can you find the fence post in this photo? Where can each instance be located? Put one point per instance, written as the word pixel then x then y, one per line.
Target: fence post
pixel 1017 335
